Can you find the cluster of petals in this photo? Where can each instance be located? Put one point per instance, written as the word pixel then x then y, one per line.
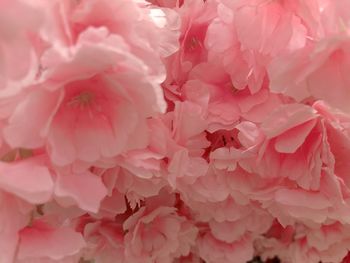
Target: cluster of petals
pixel 174 131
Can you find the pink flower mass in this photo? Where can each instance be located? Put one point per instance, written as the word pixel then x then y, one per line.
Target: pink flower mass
pixel 174 131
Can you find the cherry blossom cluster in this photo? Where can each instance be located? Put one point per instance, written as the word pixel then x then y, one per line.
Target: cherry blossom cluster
pixel 174 131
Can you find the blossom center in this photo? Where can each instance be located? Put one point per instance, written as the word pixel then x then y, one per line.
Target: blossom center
pixel 84 99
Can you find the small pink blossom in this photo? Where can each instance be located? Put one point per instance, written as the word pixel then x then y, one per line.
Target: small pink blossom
pixel 158 236
pixel 71 109
pixel 104 242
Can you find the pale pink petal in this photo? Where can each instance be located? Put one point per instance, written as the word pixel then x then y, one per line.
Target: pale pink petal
pixel 292 139
pixel 53 243
pixel 22 131
pixel 302 198
pixel 28 180
pixel 86 190
pixel 286 117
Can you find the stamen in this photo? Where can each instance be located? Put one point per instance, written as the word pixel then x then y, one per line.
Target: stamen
pixel 193 43
pixel 231 87
pixel 83 99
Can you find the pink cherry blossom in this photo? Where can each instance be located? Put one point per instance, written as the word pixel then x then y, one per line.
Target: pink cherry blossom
pixel 80 104
pixel 302 243
pixel 104 242
pixel 195 18
pixel 158 236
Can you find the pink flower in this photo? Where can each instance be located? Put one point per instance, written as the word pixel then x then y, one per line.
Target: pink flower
pixel 179 138
pixel 104 78
pixel 158 236
pixel 133 187
pixel 104 242
pixel 292 132
pixel 101 104
pixel 195 18
pixel 297 141
pixel 300 243
pixel 219 107
pixel 225 50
